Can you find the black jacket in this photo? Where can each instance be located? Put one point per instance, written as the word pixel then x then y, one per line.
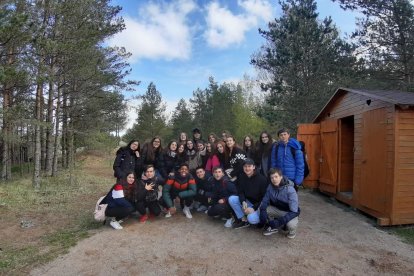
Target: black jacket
pixel 252 188
pixel 126 161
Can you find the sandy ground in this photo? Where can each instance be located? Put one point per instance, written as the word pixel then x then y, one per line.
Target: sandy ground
pixel 331 240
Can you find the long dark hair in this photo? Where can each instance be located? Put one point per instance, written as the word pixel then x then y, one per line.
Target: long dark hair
pixel 150 152
pixel 128 147
pixel 263 149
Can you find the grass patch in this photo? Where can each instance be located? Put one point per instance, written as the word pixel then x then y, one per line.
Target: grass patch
pixel 61 212
pixel 406 233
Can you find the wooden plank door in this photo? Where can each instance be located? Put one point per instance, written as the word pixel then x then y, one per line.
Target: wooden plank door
pixel 310 135
pixel 374 160
pixel 328 179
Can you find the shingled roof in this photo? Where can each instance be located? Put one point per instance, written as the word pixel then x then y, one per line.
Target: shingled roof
pixel 400 98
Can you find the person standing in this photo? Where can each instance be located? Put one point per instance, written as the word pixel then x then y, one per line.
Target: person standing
pixel 280 206
pixel 234 158
pixel 263 151
pixel 127 159
pixel 288 156
pixel 152 154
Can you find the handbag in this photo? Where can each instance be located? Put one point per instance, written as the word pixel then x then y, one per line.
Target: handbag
pixel 99 213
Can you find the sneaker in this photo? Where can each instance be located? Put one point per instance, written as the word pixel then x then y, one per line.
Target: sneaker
pixel 269 231
pixel 168 215
pixel 229 223
pixel 143 218
pixel 187 212
pixel 241 224
pixel 115 225
pixel 291 235
pixel 202 208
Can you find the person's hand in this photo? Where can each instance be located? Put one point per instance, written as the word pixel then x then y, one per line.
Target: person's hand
pixel 171 174
pixel 244 204
pixel 149 186
pixel 209 199
pixel 137 153
pixel 172 210
pixel 221 201
pixel 248 211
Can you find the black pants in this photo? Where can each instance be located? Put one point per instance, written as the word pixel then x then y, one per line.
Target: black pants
pixel 152 206
pixel 202 199
pixel 220 209
pixel 119 212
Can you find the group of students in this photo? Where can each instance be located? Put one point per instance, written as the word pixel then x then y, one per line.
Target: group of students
pixel 250 185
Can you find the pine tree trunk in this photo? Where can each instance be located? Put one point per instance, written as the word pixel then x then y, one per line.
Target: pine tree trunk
pixel 64 130
pixel 38 149
pixel 56 143
pixel 49 131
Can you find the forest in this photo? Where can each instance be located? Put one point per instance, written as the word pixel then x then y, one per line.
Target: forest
pixel 62 88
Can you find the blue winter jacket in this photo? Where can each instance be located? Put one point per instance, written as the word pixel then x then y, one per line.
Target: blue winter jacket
pixel 292 167
pixel 283 197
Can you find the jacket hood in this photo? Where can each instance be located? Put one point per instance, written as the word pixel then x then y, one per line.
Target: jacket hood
pixel 294 143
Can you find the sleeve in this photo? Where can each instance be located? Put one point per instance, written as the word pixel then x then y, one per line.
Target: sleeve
pixel 293 199
pixel 117 166
pixel 138 167
pixel 191 191
pixel 118 196
pixel 166 192
pixel 299 166
pixel 263 189
pixel 237 168
pixel 273 157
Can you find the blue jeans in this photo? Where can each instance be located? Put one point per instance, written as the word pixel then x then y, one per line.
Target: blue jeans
pixel 235 204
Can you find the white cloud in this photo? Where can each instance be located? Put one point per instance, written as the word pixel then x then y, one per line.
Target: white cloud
pixel 225 28
pixel 160 32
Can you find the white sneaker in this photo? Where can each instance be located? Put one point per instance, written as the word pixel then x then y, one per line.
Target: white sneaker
pixel 168 215
pixel 187 212
pixel 116 225
pixel 229 223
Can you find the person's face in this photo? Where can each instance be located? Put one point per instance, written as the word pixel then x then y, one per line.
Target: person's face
pixel 224 136
pixel 220 148
pixel 275 179
pixel 248 169
pixel 130 178
pixel 230 142
pixel 218 174
pixel 211 139
pixel 200 146
pixel 150 172
pixel 183 171
pixel 181 149
pixel 284 137
pixel 173 146
pixel 200 173
pixel 190 144
pixel 247 142
pixel 134 146
pixel 156 143
pixel 197 135
pixel 183 136
pixel 208 147
pixel 265 138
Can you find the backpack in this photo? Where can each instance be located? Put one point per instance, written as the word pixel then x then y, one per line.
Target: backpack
pixel 305 161
pixel 99 213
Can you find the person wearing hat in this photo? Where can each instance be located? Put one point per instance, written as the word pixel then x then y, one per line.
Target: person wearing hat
pixel 287 156
pixel 251 188
pixel 196 135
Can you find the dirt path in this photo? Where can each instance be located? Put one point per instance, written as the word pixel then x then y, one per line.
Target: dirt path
pixel 330 241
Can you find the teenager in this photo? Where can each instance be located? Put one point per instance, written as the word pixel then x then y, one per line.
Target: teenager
pixel 147 194
pixel 251 187
pixel 170 159
pixel 182 138
pixel 212 159
pixel 280 205
pixel 121 200
pixel 152 154
pixel 212 138
pixel 183 186
pixel 204 189
pixel 127 159
pixel 196 135
pixel 222 189
pixel 193 157
pixel 181 156
pixel 221 153
pixel 249 147
pixel 234 158
pixel 263 152
pixel 202 151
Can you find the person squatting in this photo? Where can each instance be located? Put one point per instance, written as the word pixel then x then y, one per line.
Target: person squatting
pixel 253 184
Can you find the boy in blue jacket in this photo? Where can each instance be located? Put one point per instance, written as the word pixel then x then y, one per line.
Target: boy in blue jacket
pixel 280 205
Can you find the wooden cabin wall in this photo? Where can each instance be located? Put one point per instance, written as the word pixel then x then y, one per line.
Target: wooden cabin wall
pixel 403 206
pixel 348 104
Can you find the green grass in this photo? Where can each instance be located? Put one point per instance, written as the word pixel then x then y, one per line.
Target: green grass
pixel 62 210
pixel 406 233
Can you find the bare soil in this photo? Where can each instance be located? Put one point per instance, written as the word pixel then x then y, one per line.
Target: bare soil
pixel 331 240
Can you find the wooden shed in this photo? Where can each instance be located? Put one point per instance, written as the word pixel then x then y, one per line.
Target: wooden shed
pixel 360 150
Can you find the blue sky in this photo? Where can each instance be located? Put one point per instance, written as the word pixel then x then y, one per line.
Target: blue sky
pixel 179 44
